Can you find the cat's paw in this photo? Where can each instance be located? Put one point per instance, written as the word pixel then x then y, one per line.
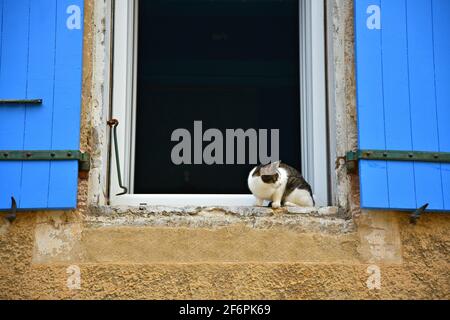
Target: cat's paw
pixel 276 205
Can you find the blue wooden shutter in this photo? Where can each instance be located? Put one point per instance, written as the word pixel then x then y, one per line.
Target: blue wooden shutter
pixel 40 58
pixel 403 98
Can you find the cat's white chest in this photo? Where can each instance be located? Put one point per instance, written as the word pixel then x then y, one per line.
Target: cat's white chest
pixel 259 189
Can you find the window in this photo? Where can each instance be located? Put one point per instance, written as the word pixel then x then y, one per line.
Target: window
pixel 246 77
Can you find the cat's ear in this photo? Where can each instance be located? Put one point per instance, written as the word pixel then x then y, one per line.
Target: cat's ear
pixel 270 169
pixel 277 164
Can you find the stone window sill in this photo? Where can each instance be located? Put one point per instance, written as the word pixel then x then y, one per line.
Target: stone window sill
pixel 305 220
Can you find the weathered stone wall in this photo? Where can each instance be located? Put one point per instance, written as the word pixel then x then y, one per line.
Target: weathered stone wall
pixel 344 98
pixel 143 255
pixel 221 253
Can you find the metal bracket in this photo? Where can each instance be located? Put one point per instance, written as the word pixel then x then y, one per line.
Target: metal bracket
pixel 351 162
pixel 353 157
pixel 48 155
pixel 11 216
pixel 417 214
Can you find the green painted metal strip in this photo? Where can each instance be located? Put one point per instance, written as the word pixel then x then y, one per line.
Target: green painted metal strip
pixel 47 155
pixel 353 157
pixel 389 155
pixel 20 101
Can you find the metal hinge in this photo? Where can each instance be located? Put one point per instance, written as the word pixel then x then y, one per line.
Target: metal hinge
pixel 11 215
pixel 20 101
pixel 48 155
pixel 352 157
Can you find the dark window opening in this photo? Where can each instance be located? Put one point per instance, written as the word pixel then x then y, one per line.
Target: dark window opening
pixel 230 64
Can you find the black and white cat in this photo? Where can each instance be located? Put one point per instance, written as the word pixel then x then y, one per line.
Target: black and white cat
pixel 280 184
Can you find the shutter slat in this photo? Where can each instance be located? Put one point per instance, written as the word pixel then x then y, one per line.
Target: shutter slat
pixel 396 102
pixel 441 26
pixel 423 101
pixel 38 123
pixel 370 102
pixel 13 85
pixel 66 117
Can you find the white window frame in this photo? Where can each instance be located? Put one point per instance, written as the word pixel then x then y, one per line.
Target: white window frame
pixel 313 106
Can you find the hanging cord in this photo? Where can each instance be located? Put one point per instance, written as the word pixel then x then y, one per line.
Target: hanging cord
pixel 113 123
